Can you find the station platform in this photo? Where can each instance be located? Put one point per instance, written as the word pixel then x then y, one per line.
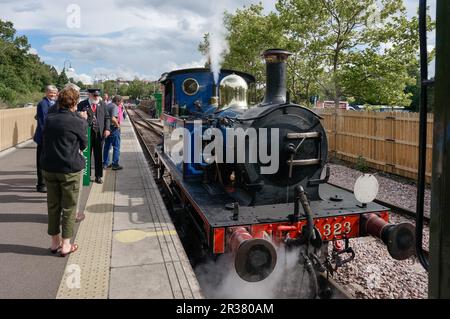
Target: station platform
pixel 128 246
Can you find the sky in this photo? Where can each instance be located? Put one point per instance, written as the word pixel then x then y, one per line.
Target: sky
pixel 124 38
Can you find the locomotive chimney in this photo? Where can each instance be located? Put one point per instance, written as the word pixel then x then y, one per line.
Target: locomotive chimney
pixel 276 76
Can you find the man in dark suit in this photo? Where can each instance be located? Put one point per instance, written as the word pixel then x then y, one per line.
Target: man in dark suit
pixel 51 93
pixel 99 122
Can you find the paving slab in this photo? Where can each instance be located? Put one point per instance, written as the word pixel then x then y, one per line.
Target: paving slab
pixel 136 247
pixel 135 282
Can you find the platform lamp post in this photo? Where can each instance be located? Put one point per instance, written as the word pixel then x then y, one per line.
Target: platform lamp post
pixel 70 69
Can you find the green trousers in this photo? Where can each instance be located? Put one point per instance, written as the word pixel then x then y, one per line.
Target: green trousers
pixel 62 197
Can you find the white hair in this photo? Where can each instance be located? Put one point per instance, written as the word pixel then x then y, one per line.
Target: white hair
pixel 50 88
pixel 73 86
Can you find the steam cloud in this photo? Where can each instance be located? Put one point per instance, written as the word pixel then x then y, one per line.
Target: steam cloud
pixel 218 45
pixel 219 279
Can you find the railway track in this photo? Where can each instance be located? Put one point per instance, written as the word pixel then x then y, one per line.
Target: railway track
pixel 144 120
pixel 396 210
pixel 149 132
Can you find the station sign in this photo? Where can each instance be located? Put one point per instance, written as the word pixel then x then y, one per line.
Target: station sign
pixel 87 160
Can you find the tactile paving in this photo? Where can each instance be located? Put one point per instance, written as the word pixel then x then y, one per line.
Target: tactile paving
pixel 87 270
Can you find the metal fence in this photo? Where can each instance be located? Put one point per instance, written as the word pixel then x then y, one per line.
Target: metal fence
pixel 16 126
pixel 386 141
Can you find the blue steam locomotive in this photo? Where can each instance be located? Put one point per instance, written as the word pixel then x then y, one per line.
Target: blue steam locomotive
pixel 220 153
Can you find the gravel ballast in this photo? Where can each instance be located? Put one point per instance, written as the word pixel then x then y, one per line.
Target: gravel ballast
pixel 374 274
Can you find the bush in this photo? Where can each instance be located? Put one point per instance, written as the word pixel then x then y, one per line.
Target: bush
pixel 361 164
pixel 33 97
pixel 11 99
pixel 7 95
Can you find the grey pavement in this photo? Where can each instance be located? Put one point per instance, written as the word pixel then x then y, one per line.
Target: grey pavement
pixel 147 258
pixel 27 269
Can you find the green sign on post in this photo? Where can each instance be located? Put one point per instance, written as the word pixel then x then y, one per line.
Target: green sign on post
pixel 87 159
pixel 158 102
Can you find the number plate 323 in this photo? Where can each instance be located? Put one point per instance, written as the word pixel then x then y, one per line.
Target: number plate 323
pixel 338 227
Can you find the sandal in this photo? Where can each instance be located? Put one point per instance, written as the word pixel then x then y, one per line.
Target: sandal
pixel 80 217
pixel 73 248
pixel 54 251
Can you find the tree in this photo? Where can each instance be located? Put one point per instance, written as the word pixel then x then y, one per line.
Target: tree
pixel 23 76
pixel 123 90
pixel 62 79
pixel 81 85
pixel 137 89
pixel 364 50
pixel 109 87
pixel 302 33
pixel 360 50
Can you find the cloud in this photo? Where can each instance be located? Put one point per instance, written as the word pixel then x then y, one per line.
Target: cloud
pixel 143 51
pixel 84 78
pixel 33 51
pixel 72 74
pixel 28 7
pixel 195 64
pixel 120 72
pixel 141 38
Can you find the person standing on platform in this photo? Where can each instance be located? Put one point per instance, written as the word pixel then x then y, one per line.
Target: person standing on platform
pixel 115 112
pixel 64 139
pixel 106 98
pixel 43 107
pixel 99 122
pixel 122 111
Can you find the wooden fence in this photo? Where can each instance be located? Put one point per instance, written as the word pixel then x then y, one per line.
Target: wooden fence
pixel 16 126
pixel 386 141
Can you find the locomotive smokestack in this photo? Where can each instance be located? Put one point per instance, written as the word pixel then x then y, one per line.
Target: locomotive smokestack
pixel 276 76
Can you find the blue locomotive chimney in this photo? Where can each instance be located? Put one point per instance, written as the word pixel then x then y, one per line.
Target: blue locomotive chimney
pixel 276 76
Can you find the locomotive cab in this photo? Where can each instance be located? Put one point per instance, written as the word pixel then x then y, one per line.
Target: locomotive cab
pixel 192 93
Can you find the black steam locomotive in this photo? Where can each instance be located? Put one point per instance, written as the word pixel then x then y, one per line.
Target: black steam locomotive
pixel 258 180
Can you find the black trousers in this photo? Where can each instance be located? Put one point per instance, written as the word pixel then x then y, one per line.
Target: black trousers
pixel 40 179
pixel 97 148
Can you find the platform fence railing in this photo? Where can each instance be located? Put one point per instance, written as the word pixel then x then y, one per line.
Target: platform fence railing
pixel 16 126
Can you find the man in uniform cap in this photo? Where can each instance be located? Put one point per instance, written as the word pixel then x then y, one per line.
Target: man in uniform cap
pixel 99 122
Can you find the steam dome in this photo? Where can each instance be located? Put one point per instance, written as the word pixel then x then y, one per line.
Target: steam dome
pixel 233 92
